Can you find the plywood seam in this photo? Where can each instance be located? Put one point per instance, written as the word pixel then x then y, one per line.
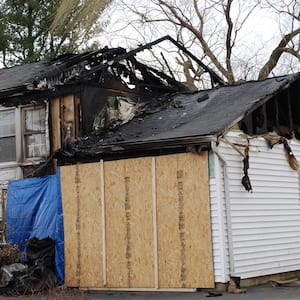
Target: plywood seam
pixel 154 222
pixel 77 183
pixel 102 183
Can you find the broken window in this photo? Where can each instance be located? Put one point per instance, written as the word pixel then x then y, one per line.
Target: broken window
pixel 34 132
pixel 7 135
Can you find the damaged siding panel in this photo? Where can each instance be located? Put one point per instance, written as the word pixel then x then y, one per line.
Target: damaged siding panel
pixel 265 223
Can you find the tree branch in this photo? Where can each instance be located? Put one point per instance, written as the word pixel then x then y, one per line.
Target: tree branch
pixel 227 9
pixel 276 54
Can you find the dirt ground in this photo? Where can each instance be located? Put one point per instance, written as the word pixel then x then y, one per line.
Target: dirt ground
pixel 262 292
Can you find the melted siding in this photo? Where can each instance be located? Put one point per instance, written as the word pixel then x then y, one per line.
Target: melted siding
pixel 266 223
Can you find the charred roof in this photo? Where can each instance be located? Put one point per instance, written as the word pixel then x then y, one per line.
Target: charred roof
pixel 186 118
pixel 102 67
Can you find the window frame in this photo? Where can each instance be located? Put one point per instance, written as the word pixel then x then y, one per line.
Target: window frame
pixel 26 133
pixel 12 109
pixel 20 133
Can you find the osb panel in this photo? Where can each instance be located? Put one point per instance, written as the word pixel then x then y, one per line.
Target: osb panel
pixel 69 189
pixel 55 123
pixel 183 214
pixel 91 271
pixel 68 107
pixel 129 223
pixel 67 116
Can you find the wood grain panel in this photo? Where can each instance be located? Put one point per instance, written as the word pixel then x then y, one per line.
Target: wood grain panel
pixel 55 124
pixel 82 225
pixel 167 222
pixel 115 193
pixel 180 194
pixel 130 257
pixel 91 272
pixel 141 222
pixel 69 189
pixel 184 235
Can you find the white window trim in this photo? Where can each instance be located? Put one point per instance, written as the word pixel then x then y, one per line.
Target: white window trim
pixel 23 112
pixel 21 159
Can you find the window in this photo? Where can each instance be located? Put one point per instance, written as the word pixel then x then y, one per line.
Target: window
pixel 34 132
pixel 23 134
pixel 7 135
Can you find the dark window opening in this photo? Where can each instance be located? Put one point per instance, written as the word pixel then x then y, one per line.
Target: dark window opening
pixel 279 115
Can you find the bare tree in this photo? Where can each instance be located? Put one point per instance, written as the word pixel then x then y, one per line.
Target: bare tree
pixel 216 30
pixel 290 41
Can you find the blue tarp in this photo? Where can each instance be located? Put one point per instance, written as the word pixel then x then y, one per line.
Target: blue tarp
pixel 34 209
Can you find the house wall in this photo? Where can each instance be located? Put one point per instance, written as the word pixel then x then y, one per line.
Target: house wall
pixel 24 141
pixel 264 224
pixel 138 223
pixel 218 219
pixel 65 118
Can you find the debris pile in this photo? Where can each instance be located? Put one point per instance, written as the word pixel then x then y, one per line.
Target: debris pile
pixel 35 274
pixel 9 254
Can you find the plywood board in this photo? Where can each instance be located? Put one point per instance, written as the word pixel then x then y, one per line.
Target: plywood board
pixel 55 124
pixel 91 272
pixel 82 225
pixel 70 194
pixel 176 185
pixel 141 228
pixel 67 116
pixel 129 223
pixel 183 214
pixel 116 264
pixel 68 108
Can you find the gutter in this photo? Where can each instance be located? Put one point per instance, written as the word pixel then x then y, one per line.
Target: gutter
pixel 224 164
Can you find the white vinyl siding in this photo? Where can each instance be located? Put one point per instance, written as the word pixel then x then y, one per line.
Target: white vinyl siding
pixel 265 224
pixel 218 221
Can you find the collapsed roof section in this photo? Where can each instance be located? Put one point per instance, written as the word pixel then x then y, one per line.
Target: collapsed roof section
pixel 195 118
pixel 108 68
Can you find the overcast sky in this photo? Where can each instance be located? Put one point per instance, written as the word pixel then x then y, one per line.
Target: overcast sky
pixel 260 34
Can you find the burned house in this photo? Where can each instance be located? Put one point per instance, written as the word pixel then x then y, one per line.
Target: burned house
pixel 48 104
pixel 201 188
pixel 162 187
pixel 55 101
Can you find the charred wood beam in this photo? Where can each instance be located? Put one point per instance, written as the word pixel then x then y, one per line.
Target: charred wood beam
pixel 170 80
pixel 214 76
pixel 163 57
pixel 276 112
pixel 290 114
